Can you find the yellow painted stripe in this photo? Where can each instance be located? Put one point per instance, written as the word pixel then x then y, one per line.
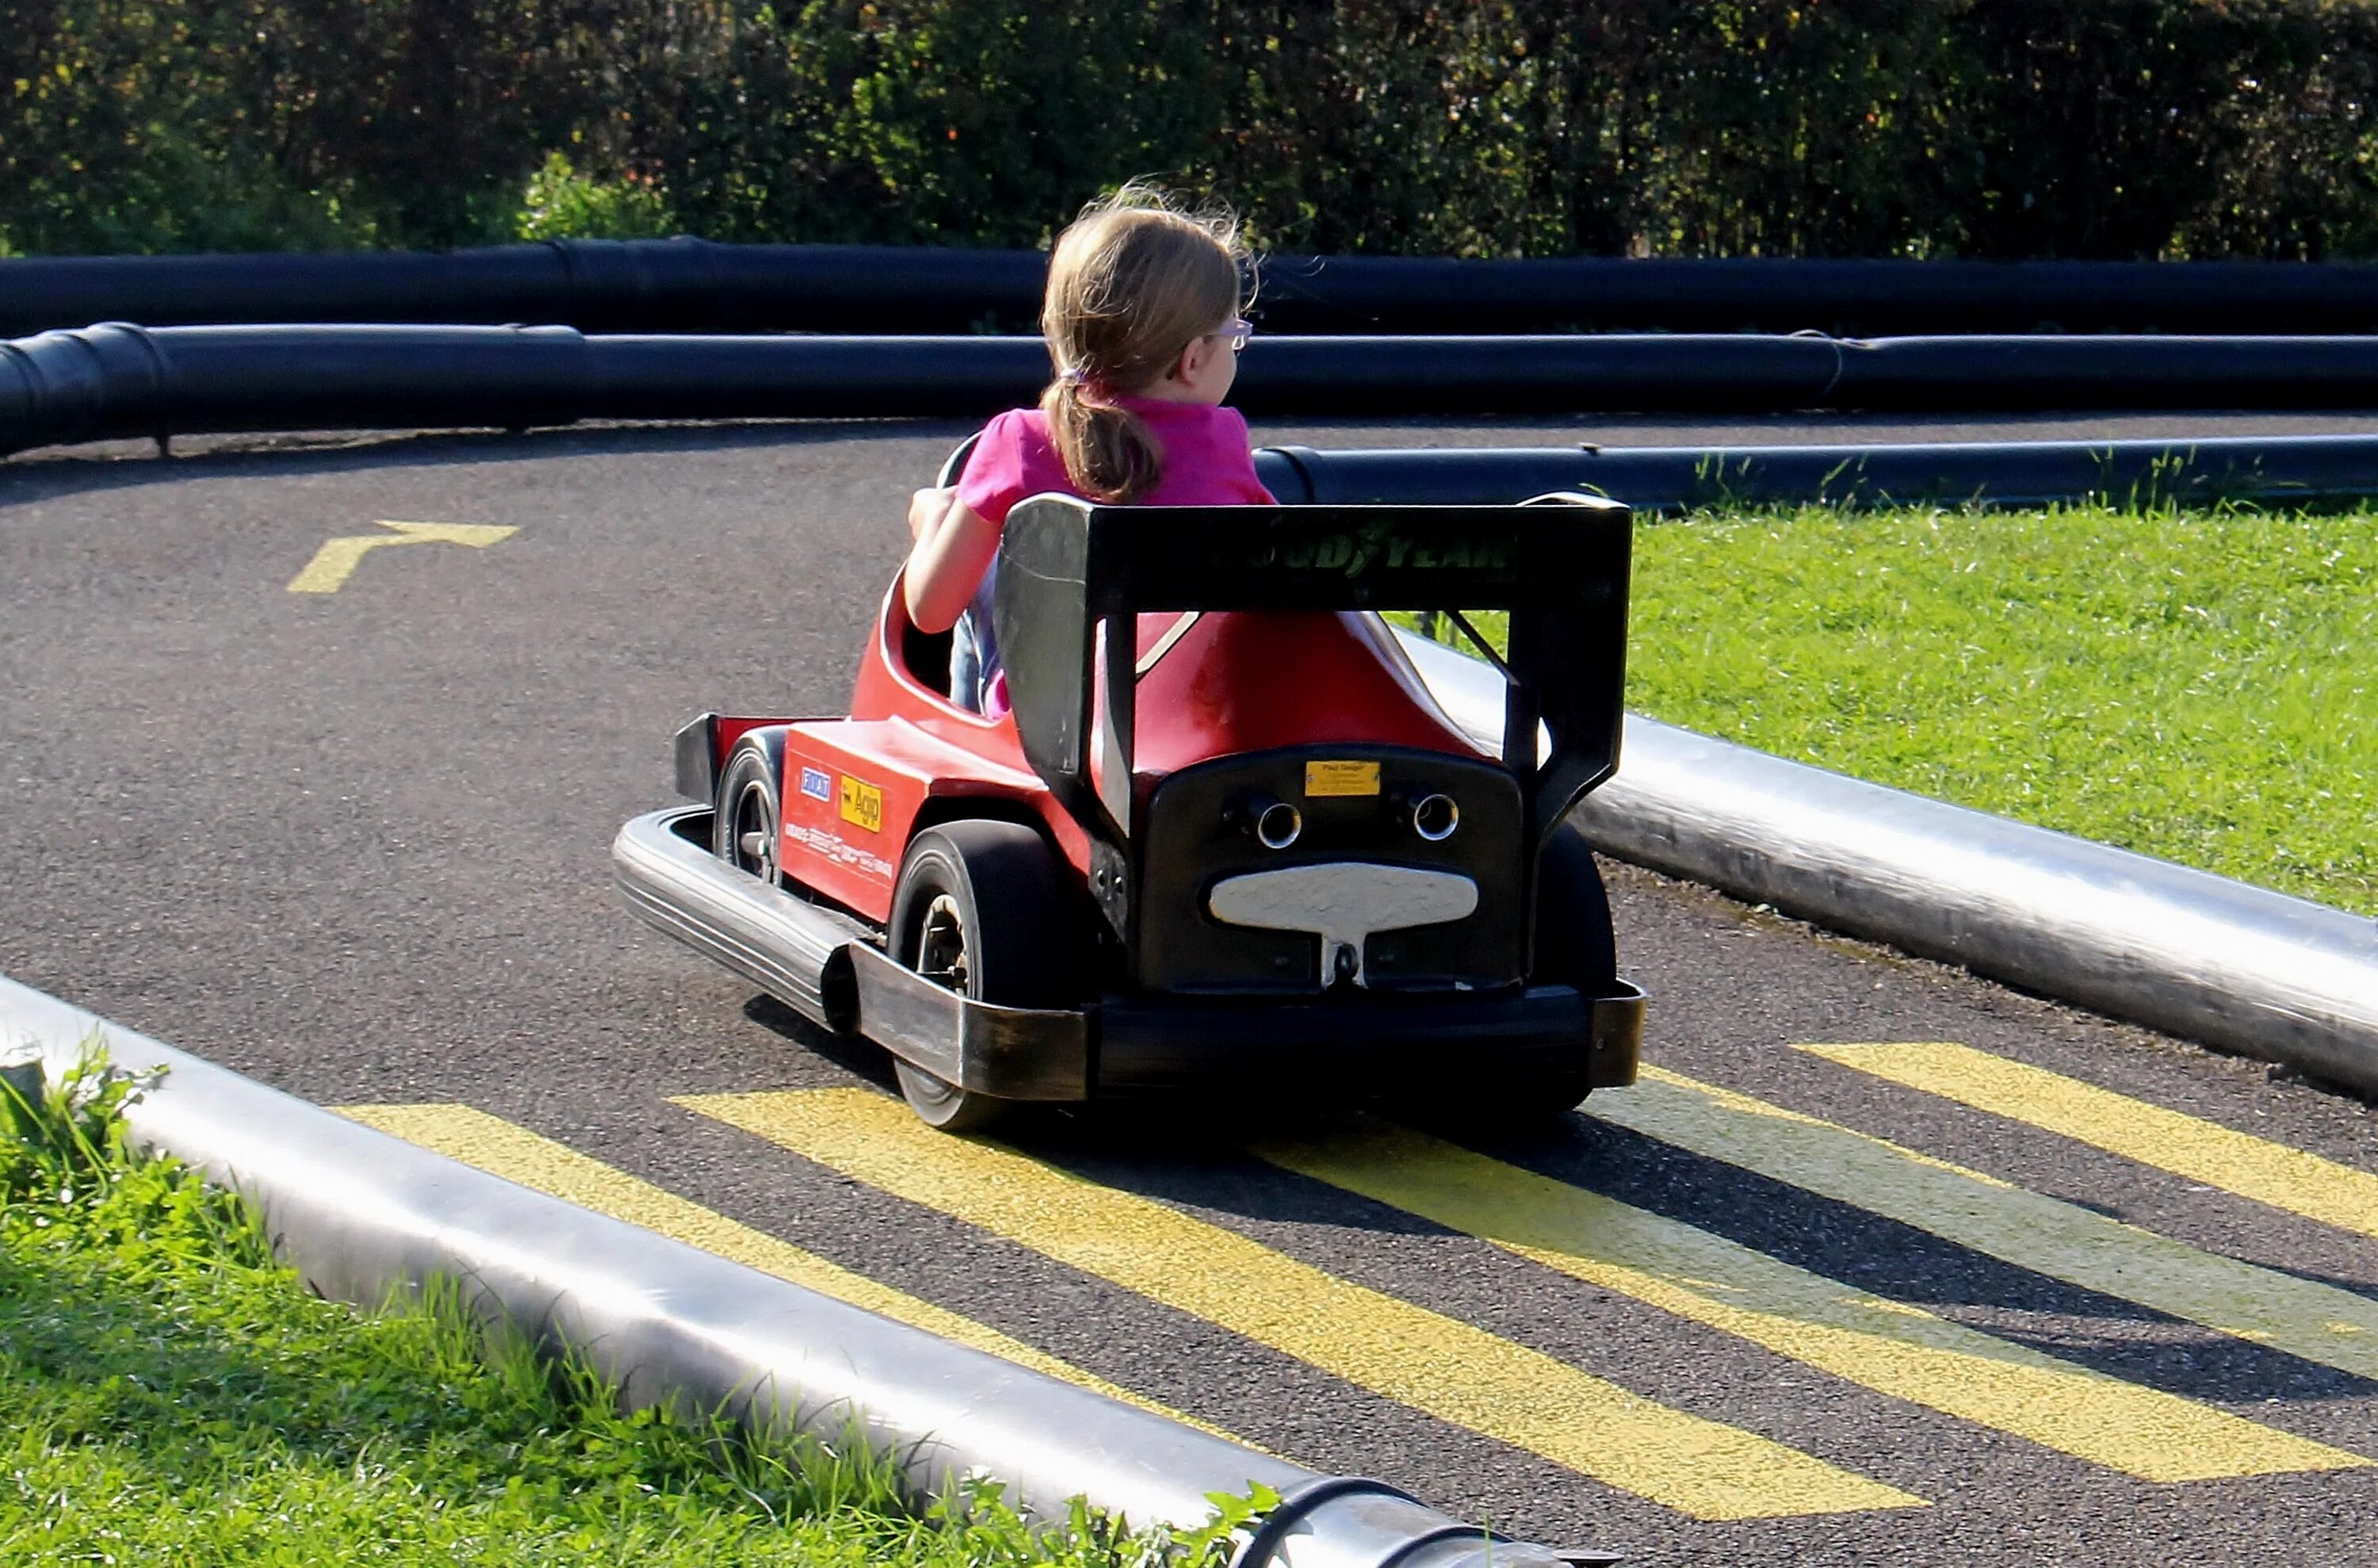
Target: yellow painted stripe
pixel 505 1149
pixel 2064 1241
pixel 2199 1150
pixel 1450 1370
pixel 1889 1346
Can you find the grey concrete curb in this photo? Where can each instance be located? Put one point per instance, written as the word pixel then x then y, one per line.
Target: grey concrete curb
pixel 365 1217
pixel 2236 966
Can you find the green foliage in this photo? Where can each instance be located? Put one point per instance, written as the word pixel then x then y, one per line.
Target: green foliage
pixel 150 124
pixel 1234 1516
pixel 2182 684
pixel 561 203
pixel 1824 127
pixel 169 1394
pixel 63 1139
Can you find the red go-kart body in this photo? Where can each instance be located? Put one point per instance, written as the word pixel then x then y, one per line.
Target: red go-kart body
pixel 1251 842
pixel 857 789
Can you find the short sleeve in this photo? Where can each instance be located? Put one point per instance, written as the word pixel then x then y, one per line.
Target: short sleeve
pixel 994 480
pixel 1243 471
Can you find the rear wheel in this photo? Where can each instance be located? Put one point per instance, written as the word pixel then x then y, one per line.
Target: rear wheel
pixel 1574 945
pixel 983 908
pixel 745 829
pixel 1573 948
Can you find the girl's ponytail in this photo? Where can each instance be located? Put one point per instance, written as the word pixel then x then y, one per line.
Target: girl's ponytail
pixel 1110 453
pixel 1131 283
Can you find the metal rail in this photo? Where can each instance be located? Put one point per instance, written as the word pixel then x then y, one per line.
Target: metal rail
pixel 2276 978
pixel 365 1216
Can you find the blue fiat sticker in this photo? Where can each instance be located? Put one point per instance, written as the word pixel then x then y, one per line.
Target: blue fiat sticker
pixel 817 786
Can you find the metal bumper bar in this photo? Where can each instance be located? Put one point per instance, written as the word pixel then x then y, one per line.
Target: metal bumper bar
pixel 826 966
pixel 1537 1032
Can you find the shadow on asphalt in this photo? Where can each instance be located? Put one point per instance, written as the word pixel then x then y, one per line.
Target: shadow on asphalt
pixel 859 1057
pixel 1193 1149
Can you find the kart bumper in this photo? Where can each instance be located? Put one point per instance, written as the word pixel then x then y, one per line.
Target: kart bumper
pixel 827 966
pixel 1541 1033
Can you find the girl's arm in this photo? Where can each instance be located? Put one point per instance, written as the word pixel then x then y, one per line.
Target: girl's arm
pixel 954 550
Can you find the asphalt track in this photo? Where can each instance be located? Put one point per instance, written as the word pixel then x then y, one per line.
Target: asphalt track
pixel 354 843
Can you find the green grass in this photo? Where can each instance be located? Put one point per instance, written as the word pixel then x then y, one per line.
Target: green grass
pixel 2192 685
pixel 168 1394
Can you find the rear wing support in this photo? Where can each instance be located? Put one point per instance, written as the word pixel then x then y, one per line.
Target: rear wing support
pixel 1067 568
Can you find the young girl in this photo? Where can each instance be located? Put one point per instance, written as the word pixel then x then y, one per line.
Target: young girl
pixel 1142 316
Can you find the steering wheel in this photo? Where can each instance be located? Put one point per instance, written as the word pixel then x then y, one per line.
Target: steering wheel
pixel 954 465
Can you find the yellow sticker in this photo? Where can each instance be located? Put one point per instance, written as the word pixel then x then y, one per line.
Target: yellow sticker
pixel 863 803
pixel 1341 778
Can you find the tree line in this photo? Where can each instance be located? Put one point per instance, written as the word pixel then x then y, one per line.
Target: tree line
pixel 1989 128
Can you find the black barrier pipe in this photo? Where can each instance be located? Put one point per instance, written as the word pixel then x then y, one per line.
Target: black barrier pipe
pixel 2106 372
pixel 2282 470
pixel 596 286
pixel 652 377
pixel 116 380
pixel 1720 372
pixel 1537 374
pixel 1381 294
pixel 695 286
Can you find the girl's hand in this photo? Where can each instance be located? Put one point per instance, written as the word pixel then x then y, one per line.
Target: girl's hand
pixel 928 508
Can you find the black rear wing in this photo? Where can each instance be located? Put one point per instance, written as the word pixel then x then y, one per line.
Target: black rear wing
pixel 1560 571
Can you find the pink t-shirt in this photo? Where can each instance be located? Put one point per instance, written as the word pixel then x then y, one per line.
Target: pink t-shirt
pixel 1205 459
pixel 1206 464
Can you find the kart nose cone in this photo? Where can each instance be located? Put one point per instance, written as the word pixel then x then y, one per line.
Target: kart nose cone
pixel 1342 903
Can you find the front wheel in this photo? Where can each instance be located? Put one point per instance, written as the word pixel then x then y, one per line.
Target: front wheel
pixel 983 908
pixel 746 828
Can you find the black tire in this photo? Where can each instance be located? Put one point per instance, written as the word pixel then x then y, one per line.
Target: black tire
pixel 994 897
pixel 747 823
pixel 1574 945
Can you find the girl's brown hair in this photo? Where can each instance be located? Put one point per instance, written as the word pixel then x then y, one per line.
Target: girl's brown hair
pixel 1132 281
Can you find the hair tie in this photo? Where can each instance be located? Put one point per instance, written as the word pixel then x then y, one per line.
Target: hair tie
pixel 1073 376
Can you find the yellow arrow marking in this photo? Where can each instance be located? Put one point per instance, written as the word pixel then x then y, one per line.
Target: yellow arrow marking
pixel 335 562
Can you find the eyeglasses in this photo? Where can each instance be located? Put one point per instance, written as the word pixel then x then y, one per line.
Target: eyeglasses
pixel 1237 330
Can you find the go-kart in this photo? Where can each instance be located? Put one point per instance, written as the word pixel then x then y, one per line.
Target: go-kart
pixel 1228 835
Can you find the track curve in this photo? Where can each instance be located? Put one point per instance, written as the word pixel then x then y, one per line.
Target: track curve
pixel 354 842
